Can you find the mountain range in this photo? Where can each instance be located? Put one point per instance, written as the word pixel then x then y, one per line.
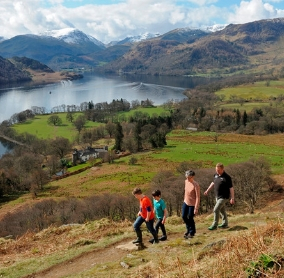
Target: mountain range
pixel 236 48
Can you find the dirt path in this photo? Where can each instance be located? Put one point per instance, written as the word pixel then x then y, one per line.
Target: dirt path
pixel 86 261
pixel 83 262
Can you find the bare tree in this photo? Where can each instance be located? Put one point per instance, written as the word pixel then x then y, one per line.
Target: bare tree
pixel 249 180
pixel 79 123
pixel 60 146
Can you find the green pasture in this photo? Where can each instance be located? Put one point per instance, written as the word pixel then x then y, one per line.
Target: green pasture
pixel 263 90
pixel 40 128
pixel 200 147
pixel 159 110
pixel 247 106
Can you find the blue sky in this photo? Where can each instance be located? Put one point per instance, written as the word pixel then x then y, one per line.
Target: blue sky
pixel 111 20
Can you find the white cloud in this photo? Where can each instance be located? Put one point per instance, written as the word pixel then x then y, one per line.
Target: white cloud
pixel 202 2
pixel 129 17
pixel 253 10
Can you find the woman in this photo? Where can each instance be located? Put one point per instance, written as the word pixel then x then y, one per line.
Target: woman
pixel 191 203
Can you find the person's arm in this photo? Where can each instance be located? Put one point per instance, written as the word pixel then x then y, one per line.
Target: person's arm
pixel 165 216
pixel 232 193
pixel 209 188
pixel 197 202
pixel 148 215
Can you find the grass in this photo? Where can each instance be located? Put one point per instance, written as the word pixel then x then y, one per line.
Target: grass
pixel 182 146
pixel 40 128
pixel 256 91
pixel 251 243
pixel 234 251
pixel 148 110
pixel 229 148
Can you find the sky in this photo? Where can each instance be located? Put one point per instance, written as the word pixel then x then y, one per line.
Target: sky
pixel 113 20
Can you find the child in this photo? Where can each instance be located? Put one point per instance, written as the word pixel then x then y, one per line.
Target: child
pixel 160 212
pixel 145 214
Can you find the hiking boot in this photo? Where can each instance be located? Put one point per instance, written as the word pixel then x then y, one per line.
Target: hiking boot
pixel 162 238
pixel 137 240
pixel 224 226
pixel 156 241
pixel 211 228
pixel 187 236
pixel 151 240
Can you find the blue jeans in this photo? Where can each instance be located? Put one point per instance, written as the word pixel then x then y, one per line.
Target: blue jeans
pixel 219 209
pixel 150 226
pixel 188 218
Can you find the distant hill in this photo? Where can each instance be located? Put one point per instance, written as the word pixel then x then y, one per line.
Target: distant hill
pixel 24 63
pixel 254 47
pixel 22 69
pixel 54 52
pixel 9 73
pixel 240 48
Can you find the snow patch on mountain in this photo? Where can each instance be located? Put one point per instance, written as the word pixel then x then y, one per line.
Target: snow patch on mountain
pixel 72 36
pixel 145 36
pixel 214 28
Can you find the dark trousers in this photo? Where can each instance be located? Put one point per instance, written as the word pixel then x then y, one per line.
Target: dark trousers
pixel 158 225
pixel 188 218
pixel 150 226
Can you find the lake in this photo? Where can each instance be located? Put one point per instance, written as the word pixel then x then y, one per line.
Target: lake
pixel 96 88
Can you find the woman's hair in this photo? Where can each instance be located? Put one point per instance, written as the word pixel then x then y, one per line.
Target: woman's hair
pixel 189 173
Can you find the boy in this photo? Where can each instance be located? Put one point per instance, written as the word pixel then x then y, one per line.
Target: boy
pixel 145 214
pixel 161 213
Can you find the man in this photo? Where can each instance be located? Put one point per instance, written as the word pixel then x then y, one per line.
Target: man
pixel 224 191
pixel 145 214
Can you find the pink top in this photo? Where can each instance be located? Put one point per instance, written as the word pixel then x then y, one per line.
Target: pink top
pixel 192 193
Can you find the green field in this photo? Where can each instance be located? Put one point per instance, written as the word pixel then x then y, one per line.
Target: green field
pixel 40 128
pixel 258 91
pixel 229 149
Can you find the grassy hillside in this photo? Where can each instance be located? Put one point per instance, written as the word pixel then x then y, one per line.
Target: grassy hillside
pixel 258 91
pixel 252 244
pixel 90 249
pixel 40 128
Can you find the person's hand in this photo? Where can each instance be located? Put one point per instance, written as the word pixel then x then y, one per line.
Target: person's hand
pixel 195 211
pixel 206 192
pixel 147 219
pixel 232 201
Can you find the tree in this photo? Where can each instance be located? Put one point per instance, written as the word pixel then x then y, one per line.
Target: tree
pixel 60 147
pixel 250 178
pixel 110 128
pixel 79 123
pixel 118 137
pixel 54 120
pixel 70 117
pixel 245 118
pixel 137 136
